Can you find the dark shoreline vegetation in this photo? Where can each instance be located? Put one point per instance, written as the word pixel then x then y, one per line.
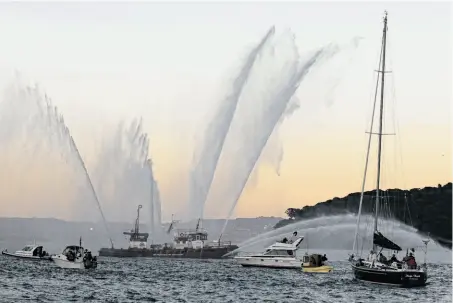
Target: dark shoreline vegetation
pixel 427 209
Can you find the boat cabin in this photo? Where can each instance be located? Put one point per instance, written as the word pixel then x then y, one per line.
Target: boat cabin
pixel 137 239
pixel 282 249
pixel 190 238
pixel 281 253
pixel 31 250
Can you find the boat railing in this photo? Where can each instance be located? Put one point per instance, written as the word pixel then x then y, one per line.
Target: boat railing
pixel 190 231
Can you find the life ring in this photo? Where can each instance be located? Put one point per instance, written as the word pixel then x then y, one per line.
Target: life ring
pixel 181 235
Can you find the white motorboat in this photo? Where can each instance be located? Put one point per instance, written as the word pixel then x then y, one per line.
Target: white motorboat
pixel 76 257
pixel 278 255
pixel 30 252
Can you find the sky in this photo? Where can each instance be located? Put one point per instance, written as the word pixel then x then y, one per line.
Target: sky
pixel 105 62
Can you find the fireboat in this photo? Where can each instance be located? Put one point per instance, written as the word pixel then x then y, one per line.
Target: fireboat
pixel 187 243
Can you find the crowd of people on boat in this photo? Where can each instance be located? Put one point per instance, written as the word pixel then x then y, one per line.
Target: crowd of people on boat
pixel 409 259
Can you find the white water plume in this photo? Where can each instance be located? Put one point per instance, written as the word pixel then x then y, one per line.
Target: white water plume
pixel 206 158
pixel 124 176
pixel 155 207
pixel 28 119
pixel 321 84
pixel 335 232
pixel 273 152
pixel 280 73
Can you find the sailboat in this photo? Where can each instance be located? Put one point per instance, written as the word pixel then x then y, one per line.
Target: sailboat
pixel 374 269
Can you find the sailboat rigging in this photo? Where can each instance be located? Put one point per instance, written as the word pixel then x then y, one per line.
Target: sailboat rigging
pixel 394 272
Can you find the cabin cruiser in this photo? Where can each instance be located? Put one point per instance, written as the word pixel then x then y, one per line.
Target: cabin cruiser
pixel 76 257
pixel 278 255
pixel 315 263
pixel 31 252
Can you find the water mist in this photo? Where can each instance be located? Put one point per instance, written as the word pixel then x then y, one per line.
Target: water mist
pixel 124 176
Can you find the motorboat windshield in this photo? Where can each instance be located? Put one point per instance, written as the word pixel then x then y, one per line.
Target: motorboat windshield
pixel 73 248
pixel 28 248
pixel 279 253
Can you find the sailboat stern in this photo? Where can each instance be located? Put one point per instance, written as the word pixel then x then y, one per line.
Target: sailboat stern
pixel 399 278
pixel 414 279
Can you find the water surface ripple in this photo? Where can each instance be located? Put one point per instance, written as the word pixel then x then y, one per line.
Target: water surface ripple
pixel 184 280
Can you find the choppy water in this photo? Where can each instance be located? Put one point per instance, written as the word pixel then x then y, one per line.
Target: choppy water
pixel 184 280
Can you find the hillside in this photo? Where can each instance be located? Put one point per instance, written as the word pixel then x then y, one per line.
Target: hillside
pixel 427 209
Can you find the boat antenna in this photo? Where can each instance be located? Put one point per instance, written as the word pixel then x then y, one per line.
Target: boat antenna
pixel 198 224
pixel 80 241
pixel 381 112
pixel 137 221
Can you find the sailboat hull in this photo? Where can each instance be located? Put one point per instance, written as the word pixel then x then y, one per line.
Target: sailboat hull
pixel 400 278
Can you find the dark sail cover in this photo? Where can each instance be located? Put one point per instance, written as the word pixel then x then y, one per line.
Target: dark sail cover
pixel 380 240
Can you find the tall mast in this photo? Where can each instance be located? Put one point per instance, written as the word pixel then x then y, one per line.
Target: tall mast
pixel 137 221
pixel 382 71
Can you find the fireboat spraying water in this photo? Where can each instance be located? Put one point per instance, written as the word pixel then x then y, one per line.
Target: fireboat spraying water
pixel 186 244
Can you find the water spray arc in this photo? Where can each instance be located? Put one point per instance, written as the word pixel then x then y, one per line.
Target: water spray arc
pixel 155 204
pixel 275 102
pixel 333 232
pixel 205 161
pixel 28 113
pixel 74 147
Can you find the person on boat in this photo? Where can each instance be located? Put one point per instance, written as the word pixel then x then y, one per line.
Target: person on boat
pixel 411 263
pixel 394 259
pixel 382 258
pixel 285 240
pixel 312 261
pixel 372 256
pixel 294 235
pixel 323 259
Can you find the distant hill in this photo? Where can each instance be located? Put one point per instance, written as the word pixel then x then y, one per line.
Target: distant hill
pixel 427 209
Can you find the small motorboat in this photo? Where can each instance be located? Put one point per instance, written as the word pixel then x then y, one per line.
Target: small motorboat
pixel 278 255
pixel 30 252
pixel 315 263
pixel 75 257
